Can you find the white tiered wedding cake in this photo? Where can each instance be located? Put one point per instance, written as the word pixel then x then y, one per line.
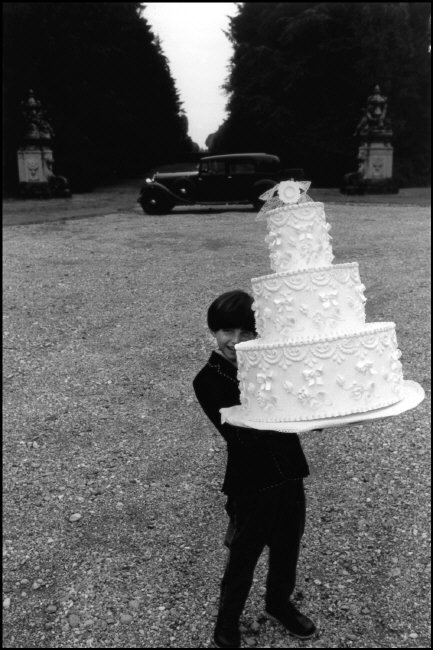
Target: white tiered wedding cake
pixel 315 356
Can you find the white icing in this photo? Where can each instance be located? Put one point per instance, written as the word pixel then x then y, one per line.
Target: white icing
pixel 315 356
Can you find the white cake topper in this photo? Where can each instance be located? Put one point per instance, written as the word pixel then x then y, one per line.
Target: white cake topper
pixel 288 191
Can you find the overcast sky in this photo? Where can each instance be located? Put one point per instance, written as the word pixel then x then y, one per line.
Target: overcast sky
pixel 192 39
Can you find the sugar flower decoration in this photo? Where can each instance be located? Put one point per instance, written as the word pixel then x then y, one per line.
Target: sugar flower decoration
pixel 366 367
pixel 314 375
pixel 265 381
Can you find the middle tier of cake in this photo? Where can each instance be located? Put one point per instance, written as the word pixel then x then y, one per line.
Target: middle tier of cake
pixel 310 302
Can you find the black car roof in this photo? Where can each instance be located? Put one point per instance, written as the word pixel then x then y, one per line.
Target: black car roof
pixel 227 156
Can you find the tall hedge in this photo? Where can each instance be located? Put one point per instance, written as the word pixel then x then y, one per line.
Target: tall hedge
pixel 105 84
pixel 301 73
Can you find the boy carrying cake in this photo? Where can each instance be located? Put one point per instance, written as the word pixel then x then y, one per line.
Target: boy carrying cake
pixel 263 483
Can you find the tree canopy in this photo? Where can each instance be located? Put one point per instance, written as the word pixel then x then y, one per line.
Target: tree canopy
pixel 301 73
pixel 104 82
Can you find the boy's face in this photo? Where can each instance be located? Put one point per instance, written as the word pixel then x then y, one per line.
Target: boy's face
pixel 227 339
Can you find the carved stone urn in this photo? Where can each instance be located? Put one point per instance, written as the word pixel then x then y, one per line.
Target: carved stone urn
pixel 35 156
pixel 375 152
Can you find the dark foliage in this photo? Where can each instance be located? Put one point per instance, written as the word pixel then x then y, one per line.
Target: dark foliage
pixel 301 74
pixel 105 84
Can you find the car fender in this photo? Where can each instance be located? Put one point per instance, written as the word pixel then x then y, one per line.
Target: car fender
pixel 185 188
pixel 157 187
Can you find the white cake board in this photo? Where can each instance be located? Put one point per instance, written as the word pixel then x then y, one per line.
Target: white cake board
pixel 413 395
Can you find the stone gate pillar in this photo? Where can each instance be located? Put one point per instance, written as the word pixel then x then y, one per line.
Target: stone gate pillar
pixel 35 156
pixel 375 152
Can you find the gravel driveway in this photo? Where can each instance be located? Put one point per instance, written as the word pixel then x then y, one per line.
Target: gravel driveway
pixel 113 516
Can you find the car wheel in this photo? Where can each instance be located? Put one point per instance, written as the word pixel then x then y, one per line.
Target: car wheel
pixel 154 204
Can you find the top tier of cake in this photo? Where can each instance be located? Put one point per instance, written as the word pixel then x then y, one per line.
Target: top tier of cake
pixel 298 237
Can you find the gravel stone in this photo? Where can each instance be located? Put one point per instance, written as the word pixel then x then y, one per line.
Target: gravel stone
pixel 74 620
pixel 125 618
pixel 134 604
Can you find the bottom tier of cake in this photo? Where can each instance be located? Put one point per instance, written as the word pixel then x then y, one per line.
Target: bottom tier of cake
pixel 307 379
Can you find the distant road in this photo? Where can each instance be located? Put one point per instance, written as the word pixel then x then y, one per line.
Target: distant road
pixel 123 198
pixel 104 200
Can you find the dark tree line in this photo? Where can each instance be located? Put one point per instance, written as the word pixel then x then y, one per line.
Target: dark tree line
pixel 301 73
pixel 104 82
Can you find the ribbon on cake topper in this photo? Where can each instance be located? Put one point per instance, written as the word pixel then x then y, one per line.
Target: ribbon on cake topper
pixel 285 193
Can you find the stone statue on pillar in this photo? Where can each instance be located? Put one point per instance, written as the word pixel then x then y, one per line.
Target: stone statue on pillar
pixel 375 152
pixel 35 156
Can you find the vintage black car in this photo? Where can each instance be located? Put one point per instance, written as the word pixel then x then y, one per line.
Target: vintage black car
pixel 228 178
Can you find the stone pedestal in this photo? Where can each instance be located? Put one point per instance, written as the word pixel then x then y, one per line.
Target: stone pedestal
pixel 378 161
pixel 374 174
pixel 35 170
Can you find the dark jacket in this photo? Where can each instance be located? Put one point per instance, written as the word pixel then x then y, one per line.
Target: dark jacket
pixel 256 460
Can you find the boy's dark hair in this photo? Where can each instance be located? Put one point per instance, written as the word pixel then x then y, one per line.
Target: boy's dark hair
pixel 232 310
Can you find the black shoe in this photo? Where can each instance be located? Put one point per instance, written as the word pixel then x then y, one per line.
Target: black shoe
pixel 227 636
pixel 296 624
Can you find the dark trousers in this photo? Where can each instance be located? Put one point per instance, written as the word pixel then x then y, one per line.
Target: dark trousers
pixel 273 518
